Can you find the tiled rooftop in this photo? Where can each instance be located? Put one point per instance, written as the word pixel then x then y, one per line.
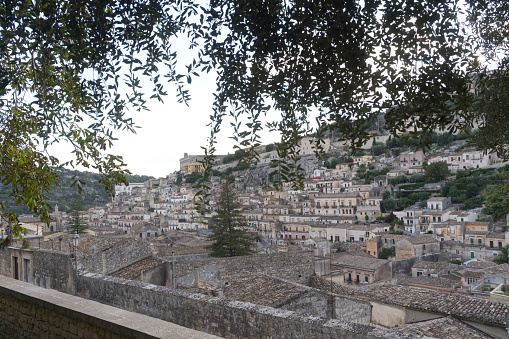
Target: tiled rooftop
pixel 480 264
pixel 460 306
pixel 445 328
pixel 134 271
pixel 439 266
pixel 262 290
pixel 474 274
pixel 368 263
pixel 421 240
pixel 427 281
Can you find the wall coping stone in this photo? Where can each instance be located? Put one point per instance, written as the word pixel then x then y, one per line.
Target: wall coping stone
pixel 121 322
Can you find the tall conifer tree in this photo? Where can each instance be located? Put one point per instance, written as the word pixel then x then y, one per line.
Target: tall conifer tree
pixel 75 223
pixel 229 228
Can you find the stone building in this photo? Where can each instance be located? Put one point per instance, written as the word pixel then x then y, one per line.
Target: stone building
pixel 414 247
pixel 363 269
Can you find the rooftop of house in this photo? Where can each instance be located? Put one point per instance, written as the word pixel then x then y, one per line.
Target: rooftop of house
pixel 473 274
pixel 134 270
pixel 330 217
pixel 480 264
pixel 498 269
pixel 361 262
pixel 457 305
pixel 423 280
pixel 495 235
pixel 337 195
pixel 438 266
pixel 391 236
pixel 445 328
pixel 426 239
pixel 438 199
pixel 366 228
pixel 354 252
pixel 263 290
pixel 476 232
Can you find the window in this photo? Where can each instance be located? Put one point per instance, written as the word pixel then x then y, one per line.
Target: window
pixel 419 274
pixel 16 268
pixel 491 243
pixel 479 241
pixel 28 276
pixel 366 279
pixel 499 244
pixel 472 254
pixel 472 241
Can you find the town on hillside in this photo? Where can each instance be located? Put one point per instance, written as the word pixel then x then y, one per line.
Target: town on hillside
pixel 399 243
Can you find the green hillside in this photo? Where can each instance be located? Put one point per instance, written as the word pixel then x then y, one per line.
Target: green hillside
pixel 93 193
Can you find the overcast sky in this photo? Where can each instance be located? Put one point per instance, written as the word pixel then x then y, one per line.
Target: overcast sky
pixel 169 130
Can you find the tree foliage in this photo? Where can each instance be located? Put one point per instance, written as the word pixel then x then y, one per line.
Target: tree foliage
pixel 503 257
pixel 70 70
pixel 387 252
pixel 229 236
pixel 468 185
pixel 436 171
pixel 76 223
pixel 497 201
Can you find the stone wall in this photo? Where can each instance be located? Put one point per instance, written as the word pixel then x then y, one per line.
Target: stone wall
pixel 54 270
pixel 293 266
pixel 120 255
pixel 49 269
pixel 5 262
pixel 312 302
pixel 403 266
pixel 352 311
pixel 28 311
pixel 384 272
pixel 156 275
pixel 219 316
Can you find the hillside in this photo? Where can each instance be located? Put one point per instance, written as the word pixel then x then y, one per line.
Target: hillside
pixel 93 193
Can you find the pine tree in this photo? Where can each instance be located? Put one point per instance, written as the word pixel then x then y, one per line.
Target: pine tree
pixel 229 228
pixel 75 223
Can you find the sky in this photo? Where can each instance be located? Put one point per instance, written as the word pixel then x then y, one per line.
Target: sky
pixel 170 129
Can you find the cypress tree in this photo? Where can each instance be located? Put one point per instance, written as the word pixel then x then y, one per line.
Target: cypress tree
pixel 229 228
pixel 75 223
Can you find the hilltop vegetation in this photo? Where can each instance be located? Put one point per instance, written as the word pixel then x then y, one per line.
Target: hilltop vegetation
pixel 93 193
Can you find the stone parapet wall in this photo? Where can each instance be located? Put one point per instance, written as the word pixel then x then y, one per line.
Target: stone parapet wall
pixel 220 316
pixel 28 311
